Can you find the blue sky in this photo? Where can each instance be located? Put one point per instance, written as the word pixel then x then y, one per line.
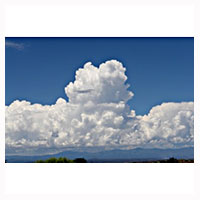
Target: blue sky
pixel 158 69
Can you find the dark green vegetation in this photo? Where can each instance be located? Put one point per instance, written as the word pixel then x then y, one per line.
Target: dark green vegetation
pixel 172 160
pixel 82 160
pixel 62 160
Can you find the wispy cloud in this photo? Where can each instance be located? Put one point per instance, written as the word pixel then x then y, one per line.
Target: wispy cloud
pixel 84 91
pixel 15 45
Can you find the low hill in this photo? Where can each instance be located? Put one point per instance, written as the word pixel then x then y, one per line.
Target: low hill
pixel 112 156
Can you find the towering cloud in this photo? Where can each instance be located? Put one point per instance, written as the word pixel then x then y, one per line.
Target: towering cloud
pixel 105 84
pixel 96 115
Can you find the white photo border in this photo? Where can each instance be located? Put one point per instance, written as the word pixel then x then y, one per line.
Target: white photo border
pixel 103 18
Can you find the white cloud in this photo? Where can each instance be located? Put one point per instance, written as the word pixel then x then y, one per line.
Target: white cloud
pixel 169 124
pixel 97 114
pixel 99 85
pixel 15 45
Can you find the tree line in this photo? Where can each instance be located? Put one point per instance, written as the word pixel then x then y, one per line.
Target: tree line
pixel 62 160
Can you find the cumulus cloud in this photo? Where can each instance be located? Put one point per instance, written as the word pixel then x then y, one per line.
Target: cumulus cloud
pixel 15 45
pixel 169 124
pixel 105 84
pixel 96 115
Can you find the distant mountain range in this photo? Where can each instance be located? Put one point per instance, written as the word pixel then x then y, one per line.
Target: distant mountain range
pixel 113 156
